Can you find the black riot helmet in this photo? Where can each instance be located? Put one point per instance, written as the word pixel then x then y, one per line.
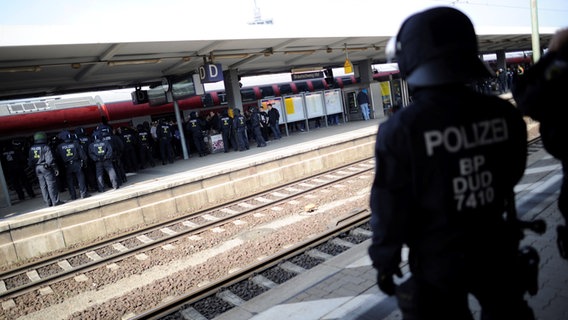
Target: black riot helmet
pixel 64 135
pixel 437 46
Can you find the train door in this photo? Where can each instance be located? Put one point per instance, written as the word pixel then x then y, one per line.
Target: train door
pixel 352 107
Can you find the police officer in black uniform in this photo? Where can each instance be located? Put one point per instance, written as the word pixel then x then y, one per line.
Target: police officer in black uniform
pixel 88 167
pixel 145 150
pixel 100 151
pixel 446 166
pixel 164 133
pixel 74 158
pixel 130 141
pixel 42 160
pixel 539 93
pixel 14 163
pixel 225 125
pixel 239 123
pixel 196 126
pixel 256 130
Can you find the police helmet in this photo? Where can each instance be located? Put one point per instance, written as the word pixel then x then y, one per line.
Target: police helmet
pixel 40 137
pixel 80 131
pixel 97 136
pixel 16 142
pixel 64 135
pixel 437 46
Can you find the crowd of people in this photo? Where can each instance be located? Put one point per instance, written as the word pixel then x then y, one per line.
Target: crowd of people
pixel 82 162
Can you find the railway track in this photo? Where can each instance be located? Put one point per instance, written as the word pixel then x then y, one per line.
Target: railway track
pixel 227 293
pixel 44 273
pixel 223 295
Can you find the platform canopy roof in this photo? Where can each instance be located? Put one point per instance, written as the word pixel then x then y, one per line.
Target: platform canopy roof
pixel 53 69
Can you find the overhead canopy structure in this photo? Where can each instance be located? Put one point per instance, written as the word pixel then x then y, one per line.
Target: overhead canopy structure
pixel 53 69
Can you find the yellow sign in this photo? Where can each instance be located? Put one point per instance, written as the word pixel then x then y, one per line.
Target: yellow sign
pixel 347 66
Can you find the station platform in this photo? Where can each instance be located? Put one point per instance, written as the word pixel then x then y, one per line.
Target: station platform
pixel 344 287
pixel 29 229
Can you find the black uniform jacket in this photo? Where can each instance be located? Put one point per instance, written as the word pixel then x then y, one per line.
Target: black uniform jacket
pixel 444 167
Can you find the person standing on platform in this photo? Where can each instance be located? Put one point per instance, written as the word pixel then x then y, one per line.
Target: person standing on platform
pixel 195 126
pixel 100 151
pixel 42 160
pixel 89 168
pixel 164 134
pixel 146 143
pixel 539 93
pixel 363 102
pixel 14 163
pixel 273 121
pixel 131 145
pixel 239 123
pixel 255 122
pixel 446 167
pixel 225 125
pixel 74 158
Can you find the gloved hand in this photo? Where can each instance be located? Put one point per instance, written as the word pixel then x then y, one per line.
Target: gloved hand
pixel 386 282
pixel 562 241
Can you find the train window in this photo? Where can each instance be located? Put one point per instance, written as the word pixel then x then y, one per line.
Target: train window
pixel 29 106
pixel 248 94
pixel 16 108
pixel 318 84
pixel 41 105
pixel 285 89
pixel 302 86
pixel 347 80
pixel 222 97
pixel 267 91
pixel 207 100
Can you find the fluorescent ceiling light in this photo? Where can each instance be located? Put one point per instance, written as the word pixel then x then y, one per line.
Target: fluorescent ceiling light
pixel 132 62
pixel 21 69
pixel 300 52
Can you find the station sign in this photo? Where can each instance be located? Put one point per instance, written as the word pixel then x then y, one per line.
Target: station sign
pixel 211 72
pixel 307 75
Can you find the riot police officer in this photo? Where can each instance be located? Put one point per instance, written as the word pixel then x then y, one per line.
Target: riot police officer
pixel 225 124
pixel 74 158
pixel 14 163
pixel 196 127
pixel 145 149
pixel 164 133
pixel 101 152
pixel 42 160
pixel 446 166
pixel 88 167
pixel 239 123
pixel 539 93
pixel 131 144
pixel 256 130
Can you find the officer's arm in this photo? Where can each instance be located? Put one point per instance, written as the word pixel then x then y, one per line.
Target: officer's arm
pixel 109 152
pixel 391 197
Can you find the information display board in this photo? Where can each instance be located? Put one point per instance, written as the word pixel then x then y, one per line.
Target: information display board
pixel 333 103
pixel 294 108
pixel 314 104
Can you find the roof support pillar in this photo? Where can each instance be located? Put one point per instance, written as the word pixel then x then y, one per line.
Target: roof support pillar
pixel 233 89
